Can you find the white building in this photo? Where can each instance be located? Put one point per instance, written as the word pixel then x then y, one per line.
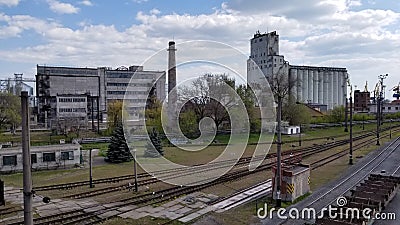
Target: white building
pixel 311 84
pixel 387 108
pixel 42 157
pixel 291 130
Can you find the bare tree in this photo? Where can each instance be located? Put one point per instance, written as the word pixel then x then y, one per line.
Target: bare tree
pixel 210 96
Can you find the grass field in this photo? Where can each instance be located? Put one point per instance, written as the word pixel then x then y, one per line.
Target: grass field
pixel 240 215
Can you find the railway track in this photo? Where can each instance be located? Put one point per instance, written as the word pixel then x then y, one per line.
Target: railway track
pixel 4 211
pixel 331 158
pixel 81 217
pixel 366 170
pixel 117 179
pixel 146 179
pixel 327 196
pixel 143 175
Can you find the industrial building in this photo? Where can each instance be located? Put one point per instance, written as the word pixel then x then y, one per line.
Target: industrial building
pixel 42 157
pixel 387 108
pixel 308 84
pixel 83 94
pixel 361 100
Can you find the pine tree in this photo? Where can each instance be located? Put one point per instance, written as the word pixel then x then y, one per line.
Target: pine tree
pixel 154 148
pixel 118 150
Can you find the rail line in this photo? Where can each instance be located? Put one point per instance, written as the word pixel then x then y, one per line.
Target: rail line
pixel 331 158
pixel 146 179
pixel 164 195
pixel 193 170
pixel 81 217
pixel 142 175
pixel 366 174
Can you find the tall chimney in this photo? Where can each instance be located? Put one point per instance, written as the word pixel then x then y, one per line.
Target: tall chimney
pixel 172 93
pixel 171 67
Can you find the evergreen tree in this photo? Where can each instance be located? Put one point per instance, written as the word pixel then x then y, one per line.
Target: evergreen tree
pixel 118 150
pixel 154 148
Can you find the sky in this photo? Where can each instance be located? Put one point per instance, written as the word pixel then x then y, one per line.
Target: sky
pixel 360 35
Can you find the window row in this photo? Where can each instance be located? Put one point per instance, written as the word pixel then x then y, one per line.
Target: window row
pixel 72 100
pixel 127 92
pixel 130 84
pixel 128 75
pixel 11 160
pixel 61 110
pixel 390 108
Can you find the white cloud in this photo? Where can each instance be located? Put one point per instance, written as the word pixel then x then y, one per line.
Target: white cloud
pixel 19 23
pixel 9 3
pixel 155 11
pixel 321 33
pixel 86 2
pixel 62 8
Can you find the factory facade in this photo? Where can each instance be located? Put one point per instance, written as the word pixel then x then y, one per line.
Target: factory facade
pixel 308 84
pixel 81 95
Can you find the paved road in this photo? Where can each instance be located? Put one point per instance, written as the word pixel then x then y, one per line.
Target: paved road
pixel 385 158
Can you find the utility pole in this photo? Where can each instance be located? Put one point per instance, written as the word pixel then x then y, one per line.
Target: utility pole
pixel 300 135
pixel 279 149
pixel 351 129
pixel 363 122
pixel 346 110
pixel 91 98
pixel 378 118
pixel 299 103
pixel 90 169
pixel 26 160
pixel 133 152
pixel 390 134
pixel 135 169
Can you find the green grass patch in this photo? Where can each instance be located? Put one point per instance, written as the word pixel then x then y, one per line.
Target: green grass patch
pixel 103 147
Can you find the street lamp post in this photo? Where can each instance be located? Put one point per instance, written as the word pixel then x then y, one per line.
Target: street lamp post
pixel 378 107
pixel 351 121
